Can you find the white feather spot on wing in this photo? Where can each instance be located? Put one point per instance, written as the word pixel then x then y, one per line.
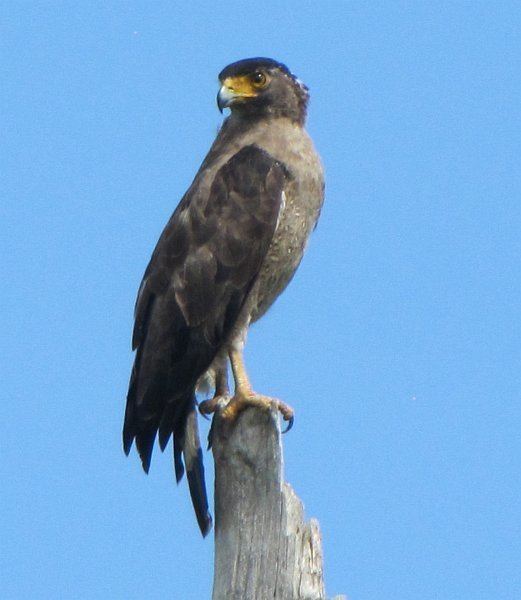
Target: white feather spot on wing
pixel 281 209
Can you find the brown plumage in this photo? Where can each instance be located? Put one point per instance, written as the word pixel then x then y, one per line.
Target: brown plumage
pixel 230 248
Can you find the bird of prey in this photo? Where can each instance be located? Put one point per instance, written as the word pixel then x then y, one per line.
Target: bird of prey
pixel 230 248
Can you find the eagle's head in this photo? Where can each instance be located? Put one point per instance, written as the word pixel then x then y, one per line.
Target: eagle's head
pixel 262 87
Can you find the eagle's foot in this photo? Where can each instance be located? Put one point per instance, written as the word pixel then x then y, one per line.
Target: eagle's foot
pixel 240 402
pixel 208 407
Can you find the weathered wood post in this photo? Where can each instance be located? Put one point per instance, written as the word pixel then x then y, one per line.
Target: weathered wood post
pixel 263 548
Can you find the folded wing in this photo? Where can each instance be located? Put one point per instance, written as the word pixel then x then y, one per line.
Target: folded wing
pixel 198 279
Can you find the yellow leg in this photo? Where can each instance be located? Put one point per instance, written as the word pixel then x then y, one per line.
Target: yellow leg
pixel 242 381
pixel 245 396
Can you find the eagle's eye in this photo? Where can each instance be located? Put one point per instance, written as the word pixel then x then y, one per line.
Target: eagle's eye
pixel 258 79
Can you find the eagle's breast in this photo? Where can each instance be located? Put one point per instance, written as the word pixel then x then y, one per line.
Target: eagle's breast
pixel 302 201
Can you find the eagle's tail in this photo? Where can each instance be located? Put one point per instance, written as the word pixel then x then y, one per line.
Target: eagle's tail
pixel 187 446
pixel 179 420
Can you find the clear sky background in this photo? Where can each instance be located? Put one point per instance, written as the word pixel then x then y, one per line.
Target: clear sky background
pixel 398 342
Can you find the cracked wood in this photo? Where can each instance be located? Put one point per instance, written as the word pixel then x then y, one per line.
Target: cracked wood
pixel 263 547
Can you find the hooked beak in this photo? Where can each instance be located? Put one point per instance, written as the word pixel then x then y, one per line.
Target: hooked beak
pixel 225 97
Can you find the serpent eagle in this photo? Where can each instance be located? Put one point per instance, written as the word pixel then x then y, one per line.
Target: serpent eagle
pixel 230 248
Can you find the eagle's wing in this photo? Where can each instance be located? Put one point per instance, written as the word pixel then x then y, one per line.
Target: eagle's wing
pixel 198 279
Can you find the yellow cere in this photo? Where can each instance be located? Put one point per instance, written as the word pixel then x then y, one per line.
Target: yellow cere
pixel 241 86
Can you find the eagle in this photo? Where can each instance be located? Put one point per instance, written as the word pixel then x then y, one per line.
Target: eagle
pixel 229 249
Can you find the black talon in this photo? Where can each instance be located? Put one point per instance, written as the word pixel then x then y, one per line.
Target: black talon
pixel 291 420
pixel 210 437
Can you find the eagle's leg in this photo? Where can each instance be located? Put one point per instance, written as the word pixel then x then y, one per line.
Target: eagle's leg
pixel 222 390
pixel 245 396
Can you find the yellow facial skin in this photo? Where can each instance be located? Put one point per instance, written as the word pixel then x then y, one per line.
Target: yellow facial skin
pixel 244 86
pixel 239 89
pixel 241 86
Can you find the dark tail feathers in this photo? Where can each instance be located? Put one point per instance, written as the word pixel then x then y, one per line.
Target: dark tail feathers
pixel 193 458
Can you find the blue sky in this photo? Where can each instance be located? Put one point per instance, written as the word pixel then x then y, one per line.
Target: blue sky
pixel 398 342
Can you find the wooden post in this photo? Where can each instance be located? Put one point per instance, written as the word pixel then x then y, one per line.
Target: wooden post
pixel 263 548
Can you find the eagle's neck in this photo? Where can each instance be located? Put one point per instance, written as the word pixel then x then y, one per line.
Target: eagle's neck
pixel 239 124
pixel 275 135
pixel 250 114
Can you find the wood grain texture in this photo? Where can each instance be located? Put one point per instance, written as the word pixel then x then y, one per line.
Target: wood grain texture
pixel 263 547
